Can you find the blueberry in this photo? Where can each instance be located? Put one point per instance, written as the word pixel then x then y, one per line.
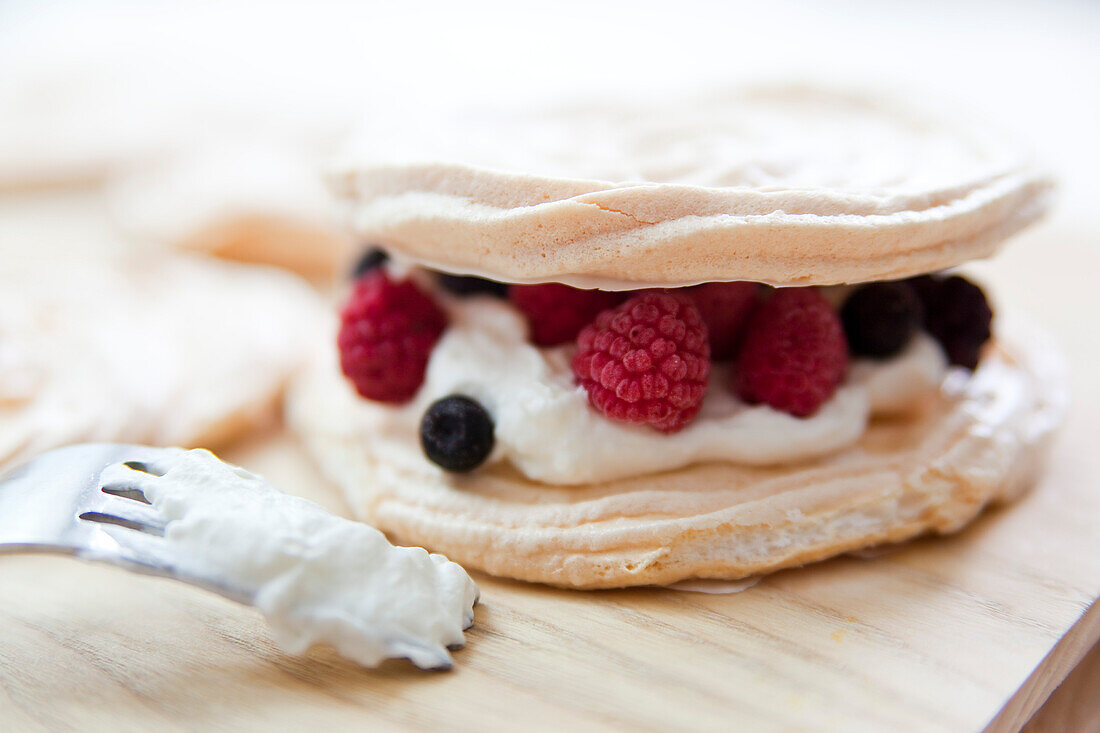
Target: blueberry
pixel 372 258
pixel 470 285
pixel 880 318
pixel 456 433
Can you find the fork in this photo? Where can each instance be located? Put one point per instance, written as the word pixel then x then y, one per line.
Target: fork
pixel 87 501
pixel 57 503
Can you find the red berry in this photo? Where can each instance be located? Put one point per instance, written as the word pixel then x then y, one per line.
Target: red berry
pixel 387 331
pixel 646 361
pixel 794 354
pixel 725 308
pixel 558 312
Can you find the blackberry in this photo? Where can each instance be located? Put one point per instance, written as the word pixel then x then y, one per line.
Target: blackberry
pixel 456 433
pixel 470 285
pixel 959 317
pixel 880 318
pixel 372 258
pixel 927 288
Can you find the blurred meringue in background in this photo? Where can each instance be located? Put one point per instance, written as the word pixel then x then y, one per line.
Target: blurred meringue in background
pixel 208 124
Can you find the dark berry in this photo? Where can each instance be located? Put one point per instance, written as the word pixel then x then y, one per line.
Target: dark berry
pixel 959 317
pixel 456 433
pixel 880 318
pixel 927 288
pixel 470 285
pixel 372 258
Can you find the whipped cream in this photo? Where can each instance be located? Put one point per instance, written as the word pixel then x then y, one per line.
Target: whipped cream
pixel 315 576
pixel 547 430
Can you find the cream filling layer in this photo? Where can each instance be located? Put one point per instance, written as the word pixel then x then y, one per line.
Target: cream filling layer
pixel 546 429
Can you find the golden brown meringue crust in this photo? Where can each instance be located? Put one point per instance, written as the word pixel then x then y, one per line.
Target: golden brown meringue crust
pixel 783 186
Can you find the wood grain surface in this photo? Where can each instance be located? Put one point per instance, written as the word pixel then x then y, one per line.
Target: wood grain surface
pixel 950 634
pixel 1072 707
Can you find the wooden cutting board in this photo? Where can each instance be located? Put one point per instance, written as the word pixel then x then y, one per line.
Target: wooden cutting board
pixel 939 634
pixel 951 633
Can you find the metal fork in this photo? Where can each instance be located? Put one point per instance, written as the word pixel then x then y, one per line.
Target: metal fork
pixel 57 503
pixel 87 501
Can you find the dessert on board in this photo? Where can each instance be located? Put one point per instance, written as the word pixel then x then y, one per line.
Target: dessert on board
pixel 624 345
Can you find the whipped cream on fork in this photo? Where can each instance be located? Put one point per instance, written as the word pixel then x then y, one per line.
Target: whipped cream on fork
pixel 315 576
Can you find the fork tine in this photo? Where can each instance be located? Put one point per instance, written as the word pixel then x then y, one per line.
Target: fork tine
pixel 138 514
pixel 152 527
pixel 129 510
pixel 140 549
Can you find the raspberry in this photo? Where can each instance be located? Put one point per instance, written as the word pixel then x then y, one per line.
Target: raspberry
pixel 957 315
pixel 558 312
pixel 880 318
pixel 725 308
pixel 646 361
pixel 794 354
pixel 387 331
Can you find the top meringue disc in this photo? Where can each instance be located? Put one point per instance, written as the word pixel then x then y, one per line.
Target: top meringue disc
pixel 787 186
